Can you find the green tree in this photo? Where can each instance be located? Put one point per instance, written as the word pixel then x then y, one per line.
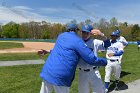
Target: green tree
pixel 113 22
pixel 135 31
pixel 0 31
pixel 10 30
pixel 88 21
pixel 24 30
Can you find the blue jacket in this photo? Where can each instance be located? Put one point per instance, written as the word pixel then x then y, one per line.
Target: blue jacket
pixel 60 66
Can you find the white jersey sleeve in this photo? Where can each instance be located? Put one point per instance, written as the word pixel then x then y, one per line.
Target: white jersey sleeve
pixel 122 40
pixel 98 45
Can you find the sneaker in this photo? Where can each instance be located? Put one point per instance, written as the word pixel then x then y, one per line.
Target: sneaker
pixel 116 88
pixel 106 90
pixel 116 85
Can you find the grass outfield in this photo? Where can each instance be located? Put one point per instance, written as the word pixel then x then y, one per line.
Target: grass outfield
pixel 25 79
pixel 8 45
pixel 19 56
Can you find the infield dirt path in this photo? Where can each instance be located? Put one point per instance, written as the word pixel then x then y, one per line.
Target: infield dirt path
pixel 30 47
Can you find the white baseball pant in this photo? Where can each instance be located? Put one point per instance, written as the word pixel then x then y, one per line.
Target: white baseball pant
pixel 48 88
pixel 90 79
pixel 112 67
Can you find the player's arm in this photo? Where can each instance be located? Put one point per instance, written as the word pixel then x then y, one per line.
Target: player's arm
pixel 119 53
pixel 106 41
pixel 97 32
pixel 124 42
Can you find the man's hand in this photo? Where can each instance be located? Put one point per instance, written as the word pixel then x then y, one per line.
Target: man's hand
pixel 97 32
pixel 42 52
pixel 111 54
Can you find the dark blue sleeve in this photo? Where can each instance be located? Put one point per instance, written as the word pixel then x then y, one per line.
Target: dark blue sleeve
pixel 125 44
pixel 88 56
pixel 107 43
pixel 118 53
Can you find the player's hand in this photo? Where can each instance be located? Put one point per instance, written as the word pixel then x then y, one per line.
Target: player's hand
pixel 111 54
pixel 97 32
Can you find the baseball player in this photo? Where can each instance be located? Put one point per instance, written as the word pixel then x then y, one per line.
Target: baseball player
pixel 59 69
pixel 138 43
pixel 89 76
pixel 114 54
pixel 121 38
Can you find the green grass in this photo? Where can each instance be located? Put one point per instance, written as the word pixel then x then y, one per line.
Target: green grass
pixel 9 45
pixel 131 64
pixel 20 79
pixel 19 56
pixel 25 79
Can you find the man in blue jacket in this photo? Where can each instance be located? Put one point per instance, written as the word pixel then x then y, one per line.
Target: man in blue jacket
pixel 59 70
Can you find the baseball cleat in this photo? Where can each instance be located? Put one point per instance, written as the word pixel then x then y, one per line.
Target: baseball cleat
pixel 106 90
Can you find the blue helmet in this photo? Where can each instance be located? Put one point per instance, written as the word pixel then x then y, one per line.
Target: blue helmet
pixel 87 28
pixel 71 26
pixel 114 33
pixel 118 32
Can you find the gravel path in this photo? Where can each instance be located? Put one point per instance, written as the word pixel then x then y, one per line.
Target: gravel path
pixel 21 62
pixel 133 87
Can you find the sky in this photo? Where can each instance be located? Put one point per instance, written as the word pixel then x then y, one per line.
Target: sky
pixel 63 11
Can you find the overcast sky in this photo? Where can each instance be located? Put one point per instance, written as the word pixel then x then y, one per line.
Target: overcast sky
pixel 65 10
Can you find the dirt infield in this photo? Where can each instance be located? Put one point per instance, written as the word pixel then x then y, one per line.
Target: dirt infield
pixel 30 47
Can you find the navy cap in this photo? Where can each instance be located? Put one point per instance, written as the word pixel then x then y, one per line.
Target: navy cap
pixel 118 32
pixel 114 34
pixel 71 26
pixel 87 28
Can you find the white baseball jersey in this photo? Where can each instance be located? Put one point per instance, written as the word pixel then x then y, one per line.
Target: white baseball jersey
pixel 95 45
pixel 122 40
pixel 90 79
pixel 114 48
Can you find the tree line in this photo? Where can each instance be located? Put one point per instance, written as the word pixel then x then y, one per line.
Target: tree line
pixel 46 30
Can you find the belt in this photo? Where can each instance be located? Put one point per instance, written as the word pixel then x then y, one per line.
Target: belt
pixel 87 70
pixel 113 60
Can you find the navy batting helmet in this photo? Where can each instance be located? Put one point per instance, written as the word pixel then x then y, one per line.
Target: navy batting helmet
pixel 114 33
pixel 118 32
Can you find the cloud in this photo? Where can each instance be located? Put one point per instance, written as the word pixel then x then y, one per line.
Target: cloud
pixel 19 14
pixel 7 15
pixel 76 12
pixel 22 8
pixel 124 13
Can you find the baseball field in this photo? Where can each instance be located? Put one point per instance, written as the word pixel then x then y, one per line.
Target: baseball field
pixel 25 78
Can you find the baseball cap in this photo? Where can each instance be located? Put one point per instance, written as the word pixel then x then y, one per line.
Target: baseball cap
pixel 72 26
pixel 87 28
